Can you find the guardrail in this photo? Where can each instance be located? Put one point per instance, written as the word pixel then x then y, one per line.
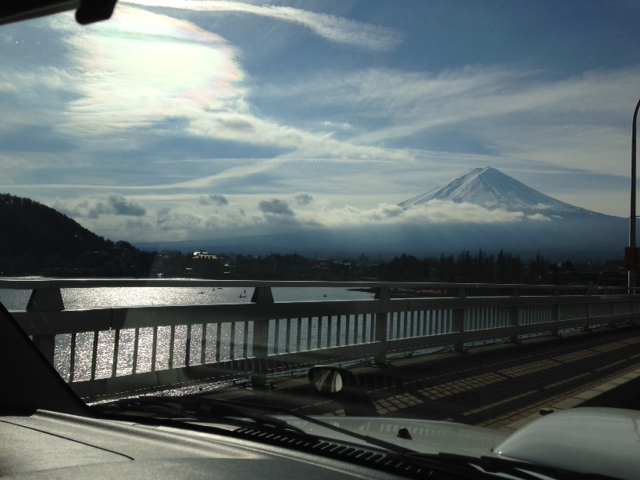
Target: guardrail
pixel 105 352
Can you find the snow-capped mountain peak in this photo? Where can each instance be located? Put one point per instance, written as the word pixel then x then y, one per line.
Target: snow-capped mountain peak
pixel 492 189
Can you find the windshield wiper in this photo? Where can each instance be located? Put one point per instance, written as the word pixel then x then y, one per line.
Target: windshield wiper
pixel 190 409
pixel 199 409
pixel 518 469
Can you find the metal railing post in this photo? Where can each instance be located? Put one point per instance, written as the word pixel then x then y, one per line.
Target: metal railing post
pixel 588 315
pixel 381 322
pixel 40 303
pixel 555 317
pixel 514 319
pixel 261 295
pixel 458 322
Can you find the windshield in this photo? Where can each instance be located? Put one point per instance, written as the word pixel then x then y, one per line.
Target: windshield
pixel 210 198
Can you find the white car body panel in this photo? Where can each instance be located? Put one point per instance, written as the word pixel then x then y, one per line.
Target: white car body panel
pixel 595 440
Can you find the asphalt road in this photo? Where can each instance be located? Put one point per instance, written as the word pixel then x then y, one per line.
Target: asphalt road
pixel 498 386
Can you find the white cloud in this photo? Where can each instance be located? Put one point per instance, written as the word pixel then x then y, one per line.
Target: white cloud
pixel 303 198
pixel 213 199
pixel 97 207
pixel 330 27
pixel 275 206
pixel 539 217
pixel 41 88
pixel 121 206
pixel 435 212
pixel 337 125
pixel 146 219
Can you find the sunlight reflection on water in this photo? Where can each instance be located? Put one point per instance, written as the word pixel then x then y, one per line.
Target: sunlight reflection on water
pixel 136 348
pixel 138 296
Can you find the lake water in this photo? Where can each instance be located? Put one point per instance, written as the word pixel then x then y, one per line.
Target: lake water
pixel 135 296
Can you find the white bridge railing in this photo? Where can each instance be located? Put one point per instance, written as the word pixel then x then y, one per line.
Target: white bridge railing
pixel 106 352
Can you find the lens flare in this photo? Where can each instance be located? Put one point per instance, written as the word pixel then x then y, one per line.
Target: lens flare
pixel 143 68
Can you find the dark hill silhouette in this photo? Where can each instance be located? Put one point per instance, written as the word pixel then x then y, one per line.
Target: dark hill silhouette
pixel 34 236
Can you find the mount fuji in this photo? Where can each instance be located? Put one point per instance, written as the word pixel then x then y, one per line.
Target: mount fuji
pixel 491 189
pixel 548 226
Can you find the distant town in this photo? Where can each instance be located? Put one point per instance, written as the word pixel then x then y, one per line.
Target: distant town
pixel 124 260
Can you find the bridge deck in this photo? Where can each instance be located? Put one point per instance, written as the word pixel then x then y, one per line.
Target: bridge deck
pixel 500 386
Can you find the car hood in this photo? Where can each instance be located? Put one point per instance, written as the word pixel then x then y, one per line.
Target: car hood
pixel 425 436
pixel 603 441
pixel 595 440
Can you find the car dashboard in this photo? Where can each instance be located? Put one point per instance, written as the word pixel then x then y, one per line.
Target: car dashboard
pixel 56 445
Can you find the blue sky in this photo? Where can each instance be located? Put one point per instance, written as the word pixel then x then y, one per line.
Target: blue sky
pixel 182 120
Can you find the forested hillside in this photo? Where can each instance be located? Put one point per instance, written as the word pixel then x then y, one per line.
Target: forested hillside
pixel 35 238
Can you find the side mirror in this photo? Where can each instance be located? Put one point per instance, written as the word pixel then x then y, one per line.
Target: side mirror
pixel 330 380
pixel 342 385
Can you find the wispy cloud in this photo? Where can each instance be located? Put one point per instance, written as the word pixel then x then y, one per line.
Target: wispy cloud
pixel 117 88
pixel 330 27
pixel 240 127
pixel 514 114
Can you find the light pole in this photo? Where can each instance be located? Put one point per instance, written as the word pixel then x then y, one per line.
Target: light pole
pixel 632 254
